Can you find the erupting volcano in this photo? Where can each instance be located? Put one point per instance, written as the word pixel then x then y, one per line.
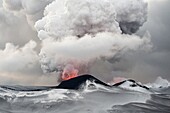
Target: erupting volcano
pixel 91 31
pixel 81 45
pixel 69 72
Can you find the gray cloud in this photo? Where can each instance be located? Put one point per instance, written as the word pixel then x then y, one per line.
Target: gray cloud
pixel 17 20
pixel 16 58
pixel 14 28
pixel 146 67
pixel 157 63
pixel 32 9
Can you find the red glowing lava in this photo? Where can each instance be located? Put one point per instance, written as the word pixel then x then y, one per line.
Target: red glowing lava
pixel 69 72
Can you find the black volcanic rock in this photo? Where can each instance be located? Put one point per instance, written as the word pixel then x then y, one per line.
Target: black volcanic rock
pixel 76 82
pixel 134 84
pixel 73 84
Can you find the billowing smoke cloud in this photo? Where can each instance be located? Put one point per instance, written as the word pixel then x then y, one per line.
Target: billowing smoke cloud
pixel 86 49
pixel 131 14
pixel 82 31
pixel 90 17
pixel 86 17
pixel 77 32
pixel 124 16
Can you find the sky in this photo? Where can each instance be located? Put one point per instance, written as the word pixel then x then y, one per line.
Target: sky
pixel 22 45
pixel 157 63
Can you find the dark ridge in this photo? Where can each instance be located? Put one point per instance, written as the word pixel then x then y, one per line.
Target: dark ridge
pixel 132 80
pixel 73 84
pixel 118 84
pixel 76 82
pixel 133 85
pixel 144 86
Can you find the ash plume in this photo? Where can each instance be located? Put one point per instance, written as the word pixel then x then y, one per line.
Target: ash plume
pixel 131 14
pixel 83 31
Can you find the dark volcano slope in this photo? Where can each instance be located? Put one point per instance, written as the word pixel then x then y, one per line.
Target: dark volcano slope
pixel 73 84
pixel 76 82
pixel 133 84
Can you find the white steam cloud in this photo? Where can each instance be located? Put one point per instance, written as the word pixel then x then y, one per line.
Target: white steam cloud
pixel 76 32
pixel 77 18
pixel 81 31
pixel 80 17
pixel 131 14
pixel 73 50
